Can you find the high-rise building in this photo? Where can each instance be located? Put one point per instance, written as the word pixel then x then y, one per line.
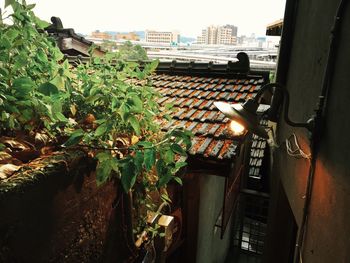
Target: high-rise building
pixel 224 35
pixel 233 28
pixel 164 37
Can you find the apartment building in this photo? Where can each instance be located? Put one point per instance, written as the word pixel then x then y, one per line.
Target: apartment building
pixel 218 35
pixel 164 37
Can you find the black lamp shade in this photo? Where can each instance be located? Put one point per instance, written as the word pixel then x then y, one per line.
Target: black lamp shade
pixel 245 114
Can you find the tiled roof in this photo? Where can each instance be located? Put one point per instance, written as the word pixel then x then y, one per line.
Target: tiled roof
pixel 192 88
pixel 193 97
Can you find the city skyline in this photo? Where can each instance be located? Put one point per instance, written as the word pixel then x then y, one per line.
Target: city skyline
pixel 188 17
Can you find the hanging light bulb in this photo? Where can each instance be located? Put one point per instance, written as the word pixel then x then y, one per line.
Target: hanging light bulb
pixel 236 128
pixel 245 115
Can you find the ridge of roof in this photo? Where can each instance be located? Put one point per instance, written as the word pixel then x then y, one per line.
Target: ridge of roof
pixel 242 66
pixel 60 33
pixel 198 69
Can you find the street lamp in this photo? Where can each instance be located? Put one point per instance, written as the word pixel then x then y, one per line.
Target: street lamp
pixel 243 116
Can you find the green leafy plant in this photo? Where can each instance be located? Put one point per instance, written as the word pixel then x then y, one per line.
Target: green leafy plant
pixel 132 52
pixel 31 83
pixel 106 105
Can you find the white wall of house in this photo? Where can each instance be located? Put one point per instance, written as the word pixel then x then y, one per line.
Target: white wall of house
pixel 210 247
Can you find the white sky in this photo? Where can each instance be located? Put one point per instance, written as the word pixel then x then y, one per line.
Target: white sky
pixel 187 16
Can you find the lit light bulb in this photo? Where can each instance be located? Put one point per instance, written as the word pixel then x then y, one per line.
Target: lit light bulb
pixel 236 128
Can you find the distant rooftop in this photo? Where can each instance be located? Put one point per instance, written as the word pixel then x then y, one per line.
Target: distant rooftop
pixel 274 28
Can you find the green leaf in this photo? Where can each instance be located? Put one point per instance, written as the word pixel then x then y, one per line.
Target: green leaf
pixel 149 68
pixel 169 156
pixel 135 125
pixel 4 72
pixel 166 198
pixel 179 165
pixel 103 156
pixel 103 171
pixel 27 114
pixel 58 55
pixel 74 138
pixel 49 110
pixel 11 122
pixel 92 99
pixel 145 144
pixel 66 70
pixel 9 2
pixel 23 85
pixel 56 106
pixel 5 43
pixel 2 147
pixel 124 111
pixel 11 108
pixel 183 135
pixel 115 103
pixel 30 7
pixel 41 23
pixel 11 34
pixel 128 175
pixel 161 168
pixel 59 116
pixel 150 158
pixel 97 60
pixel 138 105
pixel 24 103
pixel 100 121
pixel 115 165
pixel 176 148
pixel 5 116
pixel 138 160
pixel 58 81
pixel 21 62
pixel 178 180
pixel 41 56
pixel 164 180
pixel 101 130
pixel 48 89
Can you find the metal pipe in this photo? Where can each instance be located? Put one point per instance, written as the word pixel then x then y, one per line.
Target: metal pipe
pixel 278 87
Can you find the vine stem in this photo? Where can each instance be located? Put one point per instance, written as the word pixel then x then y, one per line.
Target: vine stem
pixel 122 148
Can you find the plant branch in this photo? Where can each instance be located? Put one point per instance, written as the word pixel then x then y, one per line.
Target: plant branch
pixel 122 148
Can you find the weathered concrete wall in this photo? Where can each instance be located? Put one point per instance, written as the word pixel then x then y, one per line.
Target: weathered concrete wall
pixel 54 212
pixel 327 238
pixel 211 248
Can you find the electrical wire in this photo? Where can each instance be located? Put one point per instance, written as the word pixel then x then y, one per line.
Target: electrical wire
pixel 292 145
pixel 294 149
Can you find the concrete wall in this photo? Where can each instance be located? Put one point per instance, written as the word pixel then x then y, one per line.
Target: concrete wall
pixel 328 232
pixel 210 247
